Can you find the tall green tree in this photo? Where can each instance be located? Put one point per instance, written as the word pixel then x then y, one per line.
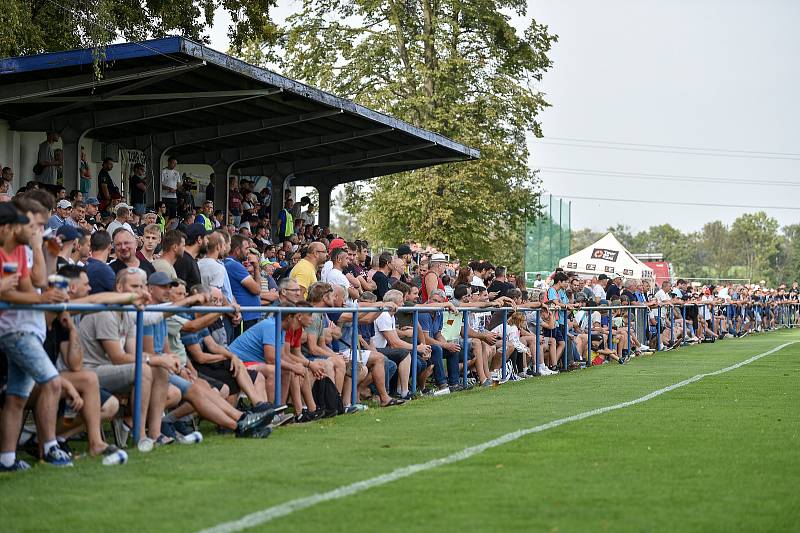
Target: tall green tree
pixel 715 242
pixel 755 241
pixel 457 67
pixel 34 26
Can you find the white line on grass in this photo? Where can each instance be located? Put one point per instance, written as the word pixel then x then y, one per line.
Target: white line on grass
pixel 277 511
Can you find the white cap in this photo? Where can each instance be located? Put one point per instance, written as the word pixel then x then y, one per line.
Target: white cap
pixel 438 258
pixel 63 204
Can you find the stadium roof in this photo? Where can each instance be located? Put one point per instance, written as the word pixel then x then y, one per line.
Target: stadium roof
pixel 203 106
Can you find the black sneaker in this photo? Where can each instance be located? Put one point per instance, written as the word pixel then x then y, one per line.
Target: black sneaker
pixel 261 433
pixel 261 407
pixel 250 422
pixel 304 417
pixel 18 466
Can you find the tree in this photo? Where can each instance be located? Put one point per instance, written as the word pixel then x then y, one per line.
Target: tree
pixel 35 26
pixel 624 235
pixel 755 240
pixel 715 239
pixel 455 67
pixel 345 223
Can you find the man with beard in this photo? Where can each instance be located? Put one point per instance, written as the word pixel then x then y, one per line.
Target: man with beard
pixel 186 266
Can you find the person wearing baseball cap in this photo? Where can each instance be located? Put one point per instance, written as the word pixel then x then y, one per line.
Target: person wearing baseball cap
pixel 433 277
pixel 614 287
pixel 161 279
pixel 59 218
pixel 10 215
pixel 69 235
pixel 328 266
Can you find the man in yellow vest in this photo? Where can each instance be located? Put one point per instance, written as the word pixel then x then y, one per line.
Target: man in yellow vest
pixel 206 218
pixel 285 221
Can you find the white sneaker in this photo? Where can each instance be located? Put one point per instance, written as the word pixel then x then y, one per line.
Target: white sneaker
pixel 146 445
pixel 544 371
pixel 195 437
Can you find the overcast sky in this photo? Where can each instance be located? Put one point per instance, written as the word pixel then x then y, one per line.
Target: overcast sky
pixel 715 74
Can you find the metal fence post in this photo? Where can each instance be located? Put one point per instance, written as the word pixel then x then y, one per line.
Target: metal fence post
pixel 137 379
pixel 629 330
pixel 672 325
pixel 683 323
pixel 503 353
pixel 278 347
pixel 538 345
pixel 658 329
pixel 414 341
pixel 354 359
pixel 565 358
pixel 465 341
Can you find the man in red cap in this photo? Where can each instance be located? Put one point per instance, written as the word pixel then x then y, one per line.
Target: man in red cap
pixel 326 268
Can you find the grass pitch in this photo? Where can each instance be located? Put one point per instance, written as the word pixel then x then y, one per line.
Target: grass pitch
pixel 718 454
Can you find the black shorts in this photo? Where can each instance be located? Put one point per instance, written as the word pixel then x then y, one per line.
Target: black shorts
pixel 395 354
pixel 219 374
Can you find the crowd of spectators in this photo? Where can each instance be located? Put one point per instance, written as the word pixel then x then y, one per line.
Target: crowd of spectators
pixel 68 376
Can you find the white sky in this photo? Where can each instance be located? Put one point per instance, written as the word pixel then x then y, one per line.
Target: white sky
pixel 705 74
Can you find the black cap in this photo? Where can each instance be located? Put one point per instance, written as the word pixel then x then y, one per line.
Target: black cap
pixel 193 231
pixel 602 277
pixel 403 249
pixel 10 215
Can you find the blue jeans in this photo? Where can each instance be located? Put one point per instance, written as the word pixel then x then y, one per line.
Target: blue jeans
pixel 437 359
pixel 453 359
pixel 28 363
pixel 139 209
pixel 182 384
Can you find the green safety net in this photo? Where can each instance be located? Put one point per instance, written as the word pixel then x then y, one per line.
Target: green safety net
pixel 547 238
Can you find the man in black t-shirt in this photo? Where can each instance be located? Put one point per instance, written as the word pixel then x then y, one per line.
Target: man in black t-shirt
pixel 381 276
pixel 106 189
pixel 500 284
pixel 186 266
pixel 138 186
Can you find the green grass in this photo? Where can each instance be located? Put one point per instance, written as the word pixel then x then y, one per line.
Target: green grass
pixel 718 454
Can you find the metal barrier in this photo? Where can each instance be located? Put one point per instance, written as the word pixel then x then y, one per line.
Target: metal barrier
pixel 785 312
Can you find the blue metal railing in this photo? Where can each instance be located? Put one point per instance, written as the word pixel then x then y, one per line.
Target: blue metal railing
pixel 786 316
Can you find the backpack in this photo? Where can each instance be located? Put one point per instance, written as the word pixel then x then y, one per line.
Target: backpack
pixel 327 398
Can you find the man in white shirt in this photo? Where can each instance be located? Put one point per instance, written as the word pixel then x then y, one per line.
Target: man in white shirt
pixel 388 342
pixel 335 276
pixel 539 283
pixel 122 210
pixel 599 287
pixel 169 186
pixel 212 271
pixel 481 271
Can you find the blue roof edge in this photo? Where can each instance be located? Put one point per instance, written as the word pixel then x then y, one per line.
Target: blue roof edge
pixel 174 45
